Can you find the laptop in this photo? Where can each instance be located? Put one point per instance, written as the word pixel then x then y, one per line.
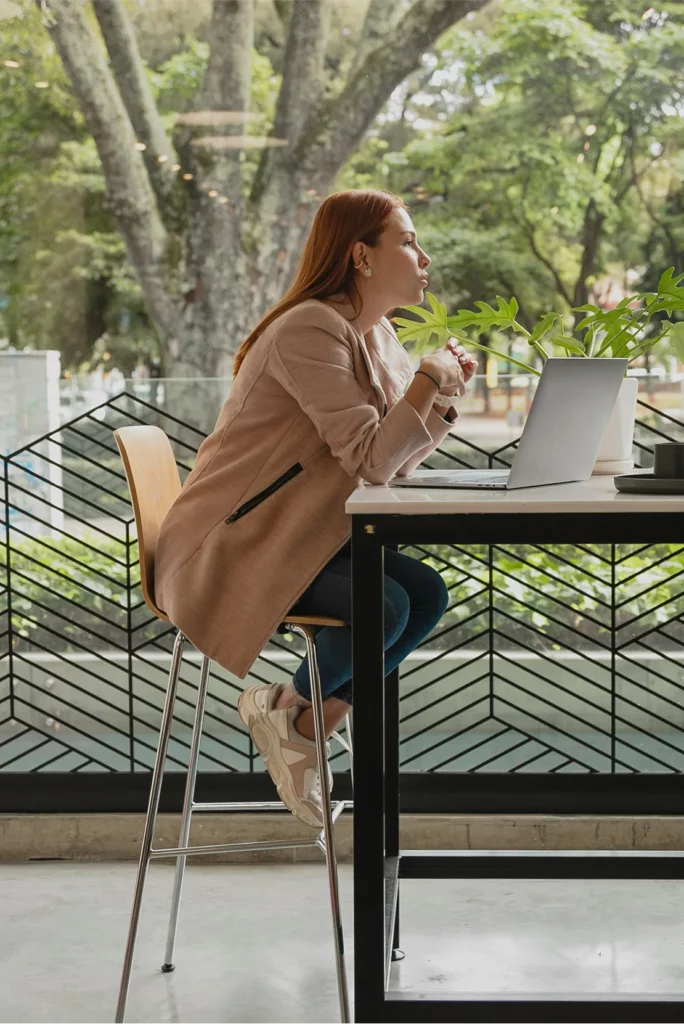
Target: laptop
pixel 562 434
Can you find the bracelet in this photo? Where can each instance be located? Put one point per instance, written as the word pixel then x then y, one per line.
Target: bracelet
pixel 433 379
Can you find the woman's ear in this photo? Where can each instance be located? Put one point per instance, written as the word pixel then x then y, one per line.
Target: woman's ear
pixel 358 253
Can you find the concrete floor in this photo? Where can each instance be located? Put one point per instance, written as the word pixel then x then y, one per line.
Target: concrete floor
pixel 254 942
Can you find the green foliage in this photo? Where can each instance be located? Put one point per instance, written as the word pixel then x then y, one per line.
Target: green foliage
pixel 178 80
pixel 77 588
pixel 558 588
pixel 65 278
pixel 72 587
pixel 540 145
pixel 624 331
pixel 542 150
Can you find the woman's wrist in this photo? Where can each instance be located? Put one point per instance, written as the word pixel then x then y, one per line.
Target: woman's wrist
pixel 433 377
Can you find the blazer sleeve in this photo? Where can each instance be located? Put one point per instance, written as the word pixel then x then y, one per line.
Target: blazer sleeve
pixel 312 359
pixel 438 428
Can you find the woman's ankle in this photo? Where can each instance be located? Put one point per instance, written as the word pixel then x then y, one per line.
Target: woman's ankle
pixel 288 698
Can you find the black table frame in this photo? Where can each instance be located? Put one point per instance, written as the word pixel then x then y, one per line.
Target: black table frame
pixel 379 864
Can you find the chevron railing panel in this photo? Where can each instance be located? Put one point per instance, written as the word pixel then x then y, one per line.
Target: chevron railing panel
pixel 555 659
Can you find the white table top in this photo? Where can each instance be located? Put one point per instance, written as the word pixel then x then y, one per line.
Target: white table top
pixel 598 494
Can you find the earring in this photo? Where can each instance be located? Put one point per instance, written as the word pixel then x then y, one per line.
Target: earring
pixel 368 271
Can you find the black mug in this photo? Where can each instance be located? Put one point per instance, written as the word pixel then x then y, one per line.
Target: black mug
pixel 669 460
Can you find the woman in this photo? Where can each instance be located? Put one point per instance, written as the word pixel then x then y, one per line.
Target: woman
pixel 324 399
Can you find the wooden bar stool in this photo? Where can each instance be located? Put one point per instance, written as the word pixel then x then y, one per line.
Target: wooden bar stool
pixel 154 484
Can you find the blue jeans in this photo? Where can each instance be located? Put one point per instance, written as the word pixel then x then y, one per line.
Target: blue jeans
pixel 416 598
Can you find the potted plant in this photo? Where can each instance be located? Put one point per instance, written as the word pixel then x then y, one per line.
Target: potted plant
pixel 631 329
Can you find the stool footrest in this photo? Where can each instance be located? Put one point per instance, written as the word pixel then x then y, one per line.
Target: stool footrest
pixel 264 805
pixel 189 851
pixel 242 805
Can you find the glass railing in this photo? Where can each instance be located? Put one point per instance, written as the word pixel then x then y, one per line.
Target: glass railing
pixel 490 414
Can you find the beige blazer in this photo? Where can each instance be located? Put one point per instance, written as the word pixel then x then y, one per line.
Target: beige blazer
pixel 316 410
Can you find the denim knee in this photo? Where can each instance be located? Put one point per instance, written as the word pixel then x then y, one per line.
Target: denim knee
pixel 397 609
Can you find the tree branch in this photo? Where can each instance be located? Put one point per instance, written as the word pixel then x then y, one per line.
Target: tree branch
pixel 340 125
pixel 380 17
pixel 128 191
pixel 301 87
pixel 636 181
pixel 134 89
pixel 303 73
pixel 292 180
pixel 283 9
pixel 228 76
pixel 591 234
pixel 560 284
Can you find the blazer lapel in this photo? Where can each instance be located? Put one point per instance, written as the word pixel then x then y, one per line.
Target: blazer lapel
pixel 388 384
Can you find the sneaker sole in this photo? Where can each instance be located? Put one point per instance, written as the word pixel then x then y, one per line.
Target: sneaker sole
pixel 281 775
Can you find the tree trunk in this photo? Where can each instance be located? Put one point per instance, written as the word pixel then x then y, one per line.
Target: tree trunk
pixel 209 262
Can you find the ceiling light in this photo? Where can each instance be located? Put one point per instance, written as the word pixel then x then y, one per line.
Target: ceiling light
pixel 11 63
pixel 590 129
pixel 175 167
pixel 239 142
pixel 140 146
pixel 42 85
pixel 216 117
pixel 187 177
pixel 162 159
pixel 212 193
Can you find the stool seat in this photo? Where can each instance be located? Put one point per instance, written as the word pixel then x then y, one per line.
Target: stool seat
pixel 313 620
pixel 154 484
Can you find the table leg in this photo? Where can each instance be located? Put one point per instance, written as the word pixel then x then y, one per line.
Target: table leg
pixel 392 784
pixel 368 665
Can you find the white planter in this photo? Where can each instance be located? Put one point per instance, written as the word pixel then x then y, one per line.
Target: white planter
pixel 615 453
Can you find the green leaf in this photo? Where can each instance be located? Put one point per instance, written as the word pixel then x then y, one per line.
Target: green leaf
pixel 486 317
pixel 564 342
pixel 544 325
pixel 438 308
pixel 667 285
pixel 432 322
pixel 676 337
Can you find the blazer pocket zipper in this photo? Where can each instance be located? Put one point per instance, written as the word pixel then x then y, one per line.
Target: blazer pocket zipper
pixel 267 491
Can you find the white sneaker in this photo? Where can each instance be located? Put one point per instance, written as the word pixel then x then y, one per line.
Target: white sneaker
pixel 256 700
pixel 291 762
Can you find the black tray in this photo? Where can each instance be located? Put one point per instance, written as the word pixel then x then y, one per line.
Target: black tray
pixel 646 483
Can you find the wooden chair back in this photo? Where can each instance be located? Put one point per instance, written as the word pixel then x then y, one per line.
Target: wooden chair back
pixel 154 484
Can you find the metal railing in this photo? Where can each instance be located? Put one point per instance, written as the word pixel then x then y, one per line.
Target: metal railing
pixel 549 659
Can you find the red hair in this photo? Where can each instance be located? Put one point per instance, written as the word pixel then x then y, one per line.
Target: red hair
pixel 326 267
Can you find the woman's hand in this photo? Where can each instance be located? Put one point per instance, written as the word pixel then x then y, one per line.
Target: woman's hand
pixel 446 369
pixel 468 365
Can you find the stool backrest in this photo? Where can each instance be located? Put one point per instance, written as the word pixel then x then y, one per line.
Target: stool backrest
pixel 154 483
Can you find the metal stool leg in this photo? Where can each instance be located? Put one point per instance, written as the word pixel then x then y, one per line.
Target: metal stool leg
pixel 348 728
pixel 328 834
pixel 150 821
pixel 186 819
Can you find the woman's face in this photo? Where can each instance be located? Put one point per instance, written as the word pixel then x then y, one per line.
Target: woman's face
pixel 398 264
